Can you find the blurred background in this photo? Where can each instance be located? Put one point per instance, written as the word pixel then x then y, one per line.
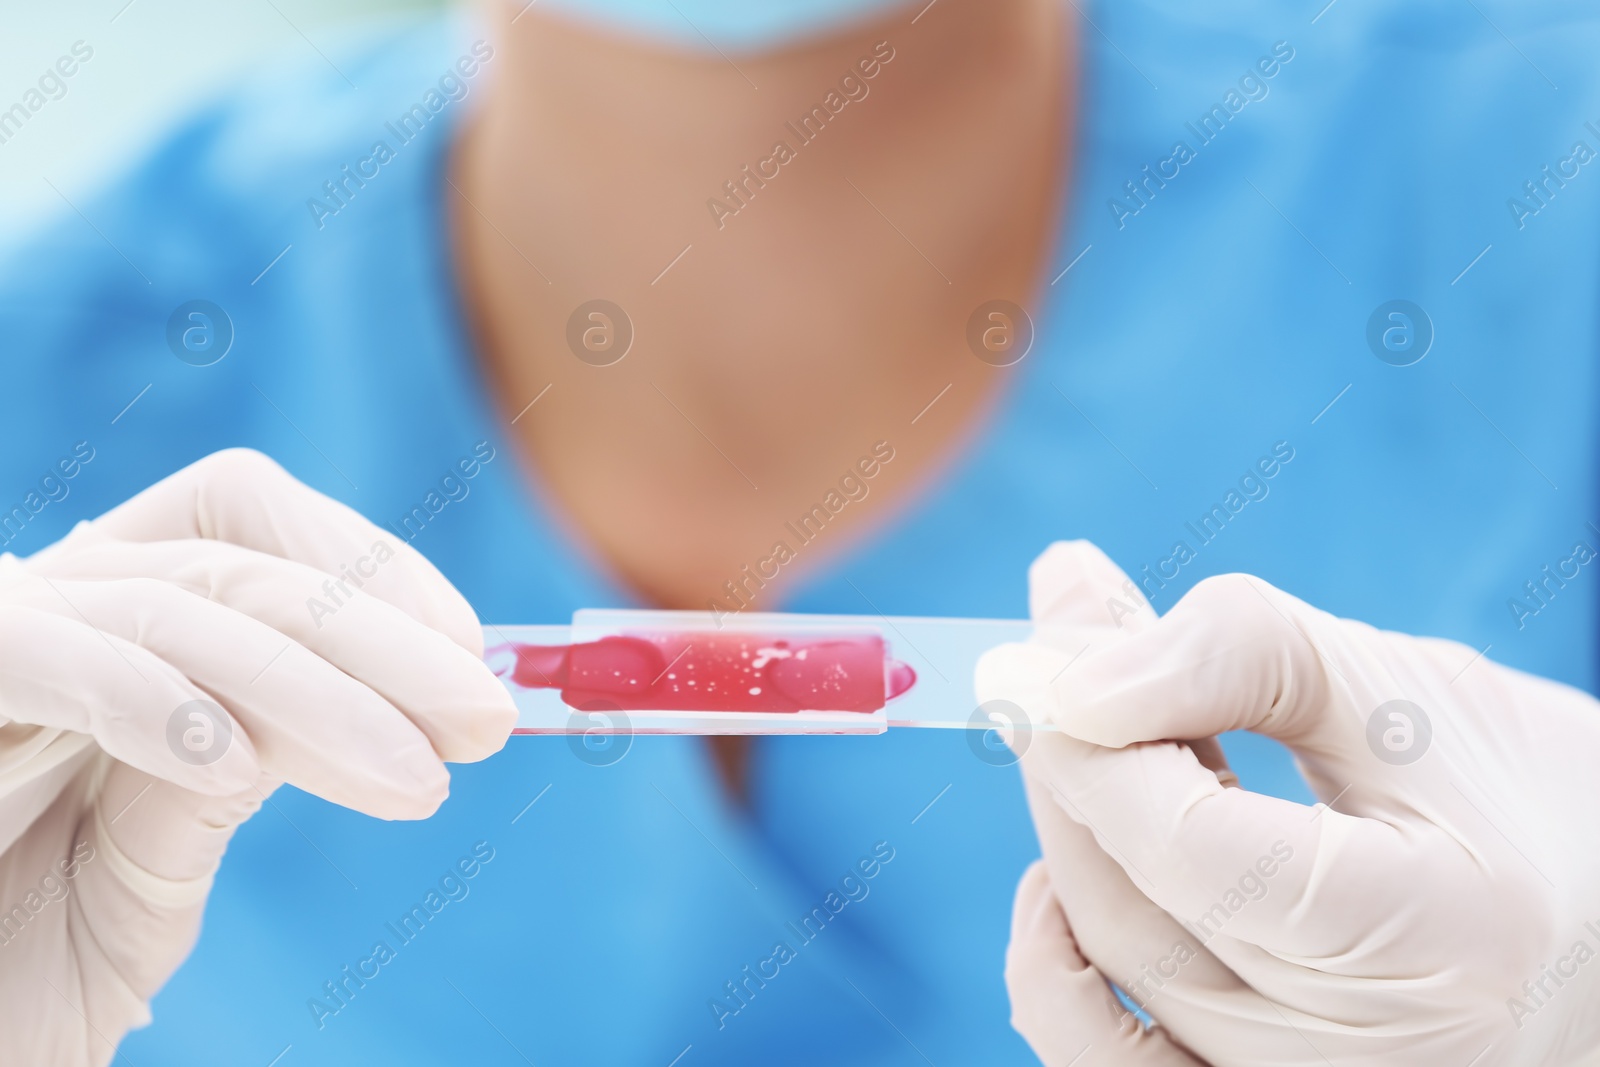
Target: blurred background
pixel 153 59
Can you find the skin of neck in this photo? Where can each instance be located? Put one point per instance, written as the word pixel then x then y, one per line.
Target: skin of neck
pixel 774 346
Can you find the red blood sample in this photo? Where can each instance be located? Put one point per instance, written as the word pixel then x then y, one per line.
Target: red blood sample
pixel 730 672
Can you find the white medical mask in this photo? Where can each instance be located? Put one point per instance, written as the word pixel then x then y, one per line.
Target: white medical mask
pixel 731 25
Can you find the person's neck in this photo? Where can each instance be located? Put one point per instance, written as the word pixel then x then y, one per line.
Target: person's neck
pixel 795 324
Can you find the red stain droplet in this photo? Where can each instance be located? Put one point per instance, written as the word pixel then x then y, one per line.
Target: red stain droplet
pixel 900 678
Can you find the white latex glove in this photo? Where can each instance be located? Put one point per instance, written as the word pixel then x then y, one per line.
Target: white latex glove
pixel 1438 913
pixel 1061 1003
pixel 116 806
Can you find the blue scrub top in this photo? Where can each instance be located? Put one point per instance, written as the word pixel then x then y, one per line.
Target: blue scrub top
pixel 1230 238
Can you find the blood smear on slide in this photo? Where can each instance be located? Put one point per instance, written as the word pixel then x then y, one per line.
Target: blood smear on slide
pixel 716 672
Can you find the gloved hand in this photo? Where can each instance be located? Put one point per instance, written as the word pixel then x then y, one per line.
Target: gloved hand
pixel 1442 906
pixel 1060 1001
pixel 162 670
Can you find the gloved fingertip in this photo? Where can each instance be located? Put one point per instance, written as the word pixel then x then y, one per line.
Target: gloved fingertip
pixel 422 808
pixel 217 780
pixel 237 771
pixel 425 803
pixel 224 765
pixel 1021 675
pixel 1034 882
pixel 480 717
pixel 407 802
pixel 1075 583
pixel 484 733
